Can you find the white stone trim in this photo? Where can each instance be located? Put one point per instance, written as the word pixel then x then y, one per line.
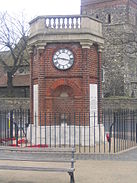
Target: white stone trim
pixel 35 102
pixel 78 135
pixel 93 104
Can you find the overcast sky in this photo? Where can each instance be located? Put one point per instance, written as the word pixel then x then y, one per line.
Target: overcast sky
pixel 33 8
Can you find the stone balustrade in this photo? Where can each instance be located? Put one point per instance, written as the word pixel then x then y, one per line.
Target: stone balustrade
pixel 70 28
pixel 63 22
pixel 71 22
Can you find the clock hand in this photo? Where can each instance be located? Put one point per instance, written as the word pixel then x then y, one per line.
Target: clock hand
pixel 63 58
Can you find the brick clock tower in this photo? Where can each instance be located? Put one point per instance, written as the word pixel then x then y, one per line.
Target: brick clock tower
pixel 65 65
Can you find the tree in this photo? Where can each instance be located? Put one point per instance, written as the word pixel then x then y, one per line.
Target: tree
pixel 13 45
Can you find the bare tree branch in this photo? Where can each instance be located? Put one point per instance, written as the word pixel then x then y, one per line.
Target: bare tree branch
pixel 13 44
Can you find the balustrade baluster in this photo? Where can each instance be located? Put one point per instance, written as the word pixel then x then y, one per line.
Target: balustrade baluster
pixel 67 25
pixel 77 23
pixel 54 23
pixel 59 25
pixel 49 23
pixel 46 22
pixel 63 23
pixel 72 23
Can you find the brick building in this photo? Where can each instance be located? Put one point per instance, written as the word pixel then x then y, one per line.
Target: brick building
pixel 119 61
pixel 65 64
pixel 21 82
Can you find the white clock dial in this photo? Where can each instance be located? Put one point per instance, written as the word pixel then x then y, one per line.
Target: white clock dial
pixel 63 59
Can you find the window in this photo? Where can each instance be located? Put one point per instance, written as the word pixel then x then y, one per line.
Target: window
pixel 109 18
pixel 97 16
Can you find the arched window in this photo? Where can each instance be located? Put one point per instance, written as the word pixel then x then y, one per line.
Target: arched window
pixel 109 18
pixel 63 100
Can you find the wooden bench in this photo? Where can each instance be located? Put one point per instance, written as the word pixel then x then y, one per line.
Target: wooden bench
pixel 60 156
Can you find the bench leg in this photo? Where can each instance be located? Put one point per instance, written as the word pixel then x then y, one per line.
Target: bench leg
pixel 72 178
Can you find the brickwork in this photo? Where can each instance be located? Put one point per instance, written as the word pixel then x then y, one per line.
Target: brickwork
pixel 65 91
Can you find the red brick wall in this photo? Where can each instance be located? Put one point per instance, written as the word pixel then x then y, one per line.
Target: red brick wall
pixel 73 83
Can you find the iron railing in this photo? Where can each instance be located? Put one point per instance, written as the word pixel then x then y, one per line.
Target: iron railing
pixel 116 132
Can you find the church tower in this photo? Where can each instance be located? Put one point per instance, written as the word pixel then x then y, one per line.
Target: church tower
pixel 119 62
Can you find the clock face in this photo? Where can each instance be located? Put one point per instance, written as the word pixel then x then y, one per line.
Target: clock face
pixel 63 59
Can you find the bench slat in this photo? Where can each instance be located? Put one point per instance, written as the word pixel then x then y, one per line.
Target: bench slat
pixel 30 149
pixel 25 168
pixel 58 155
pixel 37 160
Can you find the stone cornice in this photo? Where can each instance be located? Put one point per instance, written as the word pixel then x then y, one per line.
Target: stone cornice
pixel 100 48
pixel 85 38
pixel 82 29
pixel 86 44
pixel 40 46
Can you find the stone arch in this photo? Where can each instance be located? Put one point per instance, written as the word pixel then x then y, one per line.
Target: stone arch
pixel 63 99
pixel 77 90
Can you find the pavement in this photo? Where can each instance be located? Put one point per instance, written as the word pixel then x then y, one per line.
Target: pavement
pixel 90 168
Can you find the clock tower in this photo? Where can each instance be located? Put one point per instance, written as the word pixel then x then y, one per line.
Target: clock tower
pixel 65 65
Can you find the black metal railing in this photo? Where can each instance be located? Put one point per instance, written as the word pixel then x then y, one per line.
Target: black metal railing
pixel 116 132
pixel 13 126
pixel 123 132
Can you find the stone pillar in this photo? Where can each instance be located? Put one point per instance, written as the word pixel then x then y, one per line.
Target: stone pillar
pixel 86 46
pixel 99 51
pixel 31 84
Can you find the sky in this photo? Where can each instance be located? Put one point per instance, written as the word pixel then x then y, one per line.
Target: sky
pixel 33 8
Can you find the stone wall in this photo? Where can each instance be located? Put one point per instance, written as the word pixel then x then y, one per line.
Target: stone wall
pixel 117 103
pixel 14 103
pixel 19 92
pixel 119 56
pixel 107 103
